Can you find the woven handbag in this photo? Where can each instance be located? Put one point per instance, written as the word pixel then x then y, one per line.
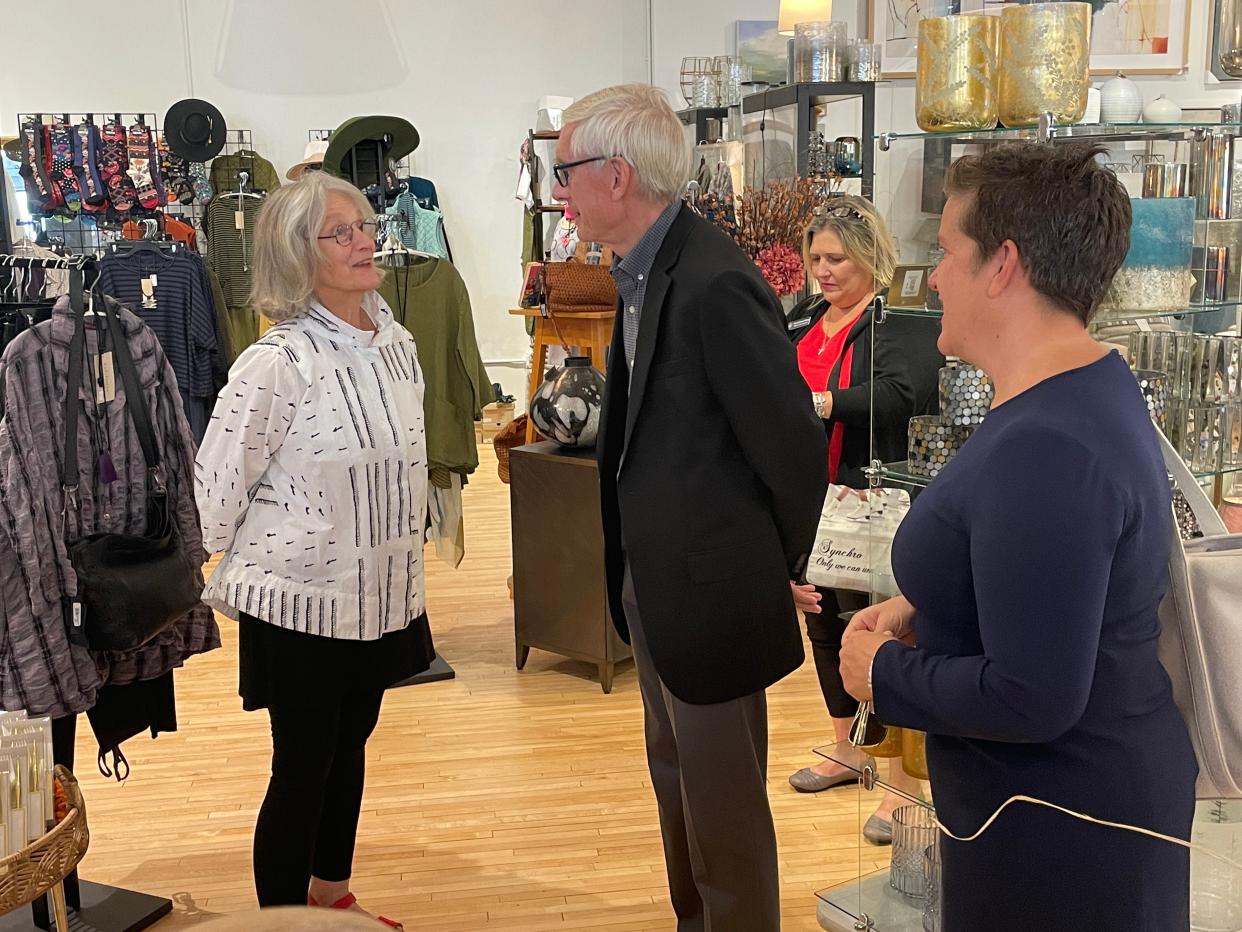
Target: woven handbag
pixel 511 435
pixel 576 287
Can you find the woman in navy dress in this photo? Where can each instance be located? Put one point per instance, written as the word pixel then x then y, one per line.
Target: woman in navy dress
pixel 1032 569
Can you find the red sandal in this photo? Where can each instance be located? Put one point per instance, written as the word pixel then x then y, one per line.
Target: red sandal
pixel 347 901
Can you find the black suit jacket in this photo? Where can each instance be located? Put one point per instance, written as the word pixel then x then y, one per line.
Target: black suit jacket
pixel 712 471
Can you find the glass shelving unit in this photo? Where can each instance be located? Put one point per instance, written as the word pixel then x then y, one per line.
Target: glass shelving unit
pixel 869 902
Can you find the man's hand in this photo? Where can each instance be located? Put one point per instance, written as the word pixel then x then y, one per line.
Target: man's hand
pixel 806 598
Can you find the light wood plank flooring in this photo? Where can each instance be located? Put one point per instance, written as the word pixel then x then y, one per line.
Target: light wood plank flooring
pixel 499 800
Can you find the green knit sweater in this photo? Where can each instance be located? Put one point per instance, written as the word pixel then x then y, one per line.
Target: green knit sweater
pixel 430 300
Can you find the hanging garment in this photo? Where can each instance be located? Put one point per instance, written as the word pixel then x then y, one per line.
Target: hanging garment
pixel 421 228
pixel 58 139
pixel 226 172
pixel 172 295
pixel 431 301
pixel 40 670
pixel 144 166
pixel 86 145
pixel 228 248
pixel 425 191
pixel 41 194
pixel 114 167
pixel 448 526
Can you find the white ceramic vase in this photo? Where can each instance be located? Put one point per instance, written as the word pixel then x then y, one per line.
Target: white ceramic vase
pixel 1121 101
pixel 1162 110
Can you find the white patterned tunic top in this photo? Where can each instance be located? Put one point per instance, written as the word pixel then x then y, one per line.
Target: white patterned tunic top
pixel 312 479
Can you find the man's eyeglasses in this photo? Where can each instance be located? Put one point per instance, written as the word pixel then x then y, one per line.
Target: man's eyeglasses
pixel 344 234
pixel 561 169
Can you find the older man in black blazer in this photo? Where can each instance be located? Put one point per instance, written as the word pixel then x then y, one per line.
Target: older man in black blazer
pixel 713 472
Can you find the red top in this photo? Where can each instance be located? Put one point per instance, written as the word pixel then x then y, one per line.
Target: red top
pixel 817 355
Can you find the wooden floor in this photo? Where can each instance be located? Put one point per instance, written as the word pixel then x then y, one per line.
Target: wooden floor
pixel 499 800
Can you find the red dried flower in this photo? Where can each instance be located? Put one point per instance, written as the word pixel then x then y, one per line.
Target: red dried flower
pixel 782 268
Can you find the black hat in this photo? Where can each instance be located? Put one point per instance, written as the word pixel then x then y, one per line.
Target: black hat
pixel 194 130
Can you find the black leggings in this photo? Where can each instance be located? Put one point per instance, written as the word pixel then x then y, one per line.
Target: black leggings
pixel 824 632
pixel 309 819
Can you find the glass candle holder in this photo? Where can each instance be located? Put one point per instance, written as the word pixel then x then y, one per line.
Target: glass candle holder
pixel 933 442
pixel 914 754
pixel 1045 54
pixel 819 51
pixel 965 395
pixel 931 900
pixel 914 831
pixel 863 60
pixel 1155 388
pixel 956 83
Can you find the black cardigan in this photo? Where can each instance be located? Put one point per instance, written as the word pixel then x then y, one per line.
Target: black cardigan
pixel 907 364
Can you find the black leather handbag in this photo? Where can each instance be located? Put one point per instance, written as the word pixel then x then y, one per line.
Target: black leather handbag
pixel 130 588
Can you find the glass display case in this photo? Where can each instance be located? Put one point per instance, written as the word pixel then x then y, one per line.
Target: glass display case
pixel 1190 361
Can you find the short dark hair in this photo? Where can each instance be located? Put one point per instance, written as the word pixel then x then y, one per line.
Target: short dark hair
pixel 1068 215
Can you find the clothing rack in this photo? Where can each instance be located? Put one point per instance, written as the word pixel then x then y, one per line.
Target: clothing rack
pixel 97 907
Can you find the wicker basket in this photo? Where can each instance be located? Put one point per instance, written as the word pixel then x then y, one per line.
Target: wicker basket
pixel 511 435
pixel 578 287
pixel 44 863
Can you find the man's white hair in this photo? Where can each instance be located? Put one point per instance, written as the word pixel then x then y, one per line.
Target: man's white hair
pixel 635 122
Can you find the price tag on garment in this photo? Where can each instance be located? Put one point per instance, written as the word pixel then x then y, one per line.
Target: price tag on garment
pixel 1143 324
pixel 105 388
pixel 239 219
pixel 148 292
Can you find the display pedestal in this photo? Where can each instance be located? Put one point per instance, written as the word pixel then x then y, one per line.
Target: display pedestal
pixel 560 598
pixel 436 673
pixel 103 909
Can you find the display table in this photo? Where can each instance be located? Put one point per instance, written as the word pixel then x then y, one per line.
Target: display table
pixel 560 601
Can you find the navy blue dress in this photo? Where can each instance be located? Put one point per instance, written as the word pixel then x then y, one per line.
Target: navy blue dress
pixel 1036 562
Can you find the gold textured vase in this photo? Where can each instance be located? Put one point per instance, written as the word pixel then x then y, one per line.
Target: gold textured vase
pixel 914 753
pixel 956 84
pixel 1045 60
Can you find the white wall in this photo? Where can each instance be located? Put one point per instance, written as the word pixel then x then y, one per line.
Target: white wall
pixel 466 74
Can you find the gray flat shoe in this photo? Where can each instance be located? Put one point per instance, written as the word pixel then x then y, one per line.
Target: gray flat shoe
pixel 878 831
pixel 807 780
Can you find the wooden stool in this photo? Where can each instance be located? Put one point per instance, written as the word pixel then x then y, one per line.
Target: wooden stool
pixel 591 332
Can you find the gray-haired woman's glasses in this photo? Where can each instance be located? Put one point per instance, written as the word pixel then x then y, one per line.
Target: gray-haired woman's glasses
pixel 344 234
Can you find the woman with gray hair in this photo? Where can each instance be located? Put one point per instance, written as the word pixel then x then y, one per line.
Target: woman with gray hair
pixel 312 482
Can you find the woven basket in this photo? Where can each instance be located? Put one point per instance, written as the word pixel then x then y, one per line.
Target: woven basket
pixel 511 435
pixel 575 286
pixel 31 872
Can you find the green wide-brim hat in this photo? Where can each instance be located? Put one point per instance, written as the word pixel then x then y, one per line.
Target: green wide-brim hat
pixel 397 134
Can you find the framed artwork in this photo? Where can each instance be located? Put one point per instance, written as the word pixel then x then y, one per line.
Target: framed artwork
pixel 1214 65
pixel 1134 36
pixel 757 43
pixel 532 287
pixel 909 287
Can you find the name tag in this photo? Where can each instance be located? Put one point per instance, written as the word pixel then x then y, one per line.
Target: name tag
pixel 796 324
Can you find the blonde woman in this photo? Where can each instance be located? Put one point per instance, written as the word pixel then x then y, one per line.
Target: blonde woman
pixel 312 482
pixel 851 254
